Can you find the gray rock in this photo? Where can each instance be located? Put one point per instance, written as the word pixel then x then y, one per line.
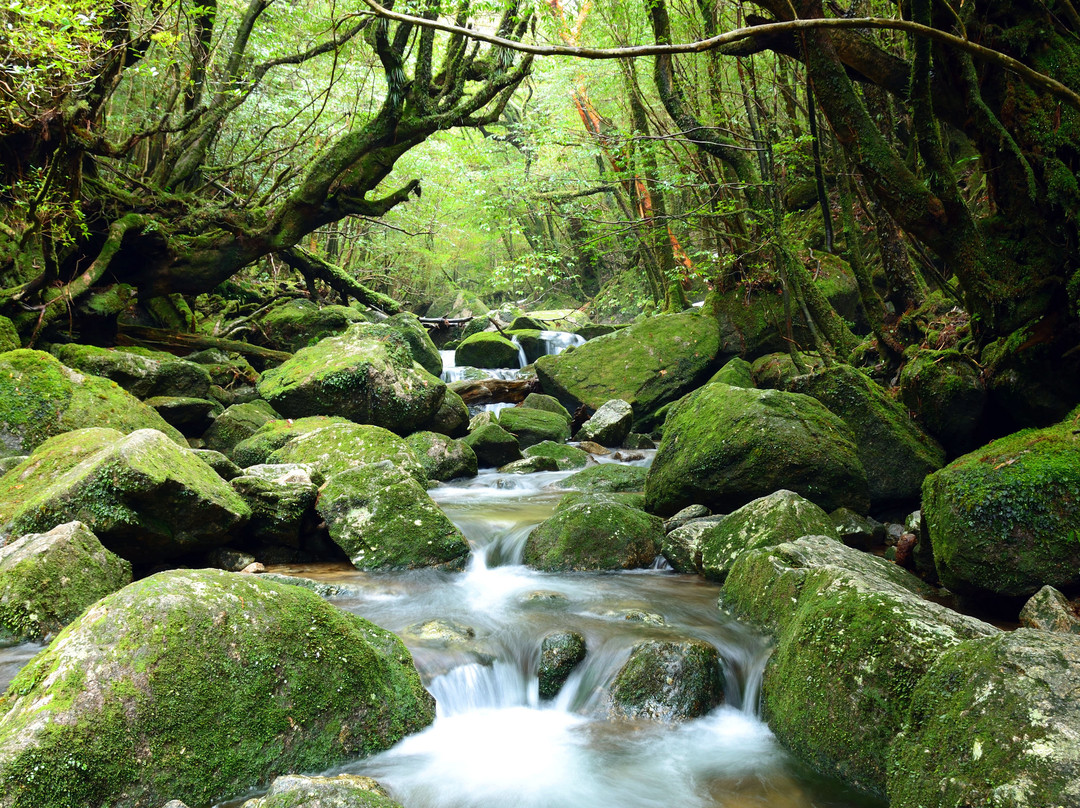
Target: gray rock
pixel 668 681
pixel 225 468
pixel 687 514
pixel 530 465
pixel 442 457
pixel 280 498
pixel 339 791
pixel 237 423
pixel 682 546
pixel 1049 610
pixel 609 425
pixel 560 653
pixel 856 530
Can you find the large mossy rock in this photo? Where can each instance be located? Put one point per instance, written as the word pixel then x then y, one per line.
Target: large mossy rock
pixel 146 498
pixel 238 422
pixel 40 398
pixel 205 684
pixel 47 579
pixel 648 365
pixel 1005 519
pixel 339 791
pixel 367 377
pixel 565 457
pixel 531 426
pixel 384 519
pixel 994 722
pixel 607 477
pixel 609 425
pixel 724 446
pixel 272 435
pixel 452 417
pixel 144 374
pixel 945 392
pixel 298 323
pixel 442 458
pixel 782 516
pixel 281 497
pixel 667 681
pixel 601 535
pixel 539 401
pixel 854 635
pixel 493 445
pixel 422 348
pixel 337 447
pixel 487 350
pixel 894 450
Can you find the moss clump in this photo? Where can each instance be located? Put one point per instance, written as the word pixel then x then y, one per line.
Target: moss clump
pixel 943 389
pixel 595 536
pixel 566 457
pixel 297 323
pixel 47 579
pixel 442 458
pixel 237 423
pixel 532 426
pixel 1005 519
pixel 668 681
pixel 539 401
pixel 40 398
pixel 272 435
pixel 487 350
pixel 724 446
pixel 737 372
pixel 201 683
pixel 9 337
pixel 607 477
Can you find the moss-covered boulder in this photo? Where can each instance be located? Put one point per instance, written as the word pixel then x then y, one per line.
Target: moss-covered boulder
pixel 539 401
pixel 531 426
pixel 780 517
pixel 457 304
pixel 945 392
pixel 367 377
pixel 280 496
pixel 337 447
pixel 144 374
pixel 272 435
pixel 201 683
pixel 298 323
pixel 648 365
pixel 609 477
pixel 724 446
pixel 422 348
pixel 487 349
pixel 670 680
pixel 560 653
pixel 776 370
pixel 609 425
pixel 384 519
pixel 146 498
pixel 441 457
pixel 682 545
pixel 565 457
pixel 1049 610
pixel 339 791
pixel 40 398
pixel 47 579
pixel 1005 519
pixel 993 722
pixel 854 635
pixel 896 453
pixel 600 535
pixel 192 416
pixel 493 445
pixel 452 417
pixel 237 423
pixel 737 372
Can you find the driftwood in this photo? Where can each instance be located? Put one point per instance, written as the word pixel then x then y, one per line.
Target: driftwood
pixel 492 391
pixel 175 342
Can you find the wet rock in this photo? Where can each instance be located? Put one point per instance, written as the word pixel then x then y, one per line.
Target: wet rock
pixel 487 350
pixel 609 425
pixel 856 530
pixel 47 579
pixel 1004 519
pixel 229 559
pixel 443 632
pixel 945 392
pixel 145 497
pixel 339 791
pixel 298 323
pixel 560 653
pixel 144 374
pixel 635 440
pixel 532 426
pixel 1049 610
pixel 993 722
pixel 595 536
pixel 281 498
pixel 687 514
pixel 737 372
pixel 442 458
pixel 627 457
pixel 668 681
pixel 682 546
pixel 629 499
pixel 593 448
pixel 237 423
pixel 636 616
pixel 539 401
pixel 41 398
pixel 530 465
pixel 782 516
pixel 565 457
pixel 724 446
pixel 365 376
pixel 493 445
pixel 545 596
pixel 854 635
pixel 610 477
pixel 194 661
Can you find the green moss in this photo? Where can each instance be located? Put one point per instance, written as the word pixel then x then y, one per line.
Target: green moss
pixel 237 423
pixel 9 337
pixel 532 426
pixel 595 536
pixel 609 477
pixel 493 445
pixel 668 681
pixel 297 323
pixel 442 458
pixel 737 372
pixel 337 447
pixel 539 401
pixel 567 457
pixel 273 435
pixel 487 349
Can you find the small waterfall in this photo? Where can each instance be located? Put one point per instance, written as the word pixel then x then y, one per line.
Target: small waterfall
pixel 555 342
pixel 522 359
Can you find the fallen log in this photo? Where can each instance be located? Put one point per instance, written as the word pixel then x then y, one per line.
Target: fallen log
pixel 183 342
pixel 494 391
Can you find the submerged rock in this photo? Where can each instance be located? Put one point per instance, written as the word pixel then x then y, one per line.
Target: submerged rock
pixel 530 465
pixel 219 681
pixel 668 681
pixel 560 653
pixel 47 579
pixel 339 791
pixel 599 535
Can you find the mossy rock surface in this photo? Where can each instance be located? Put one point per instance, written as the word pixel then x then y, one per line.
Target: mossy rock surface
pixel 457 304
pixel 384 519
pixel 540 401
pixel 682 545
pixel 423 349
pixel 776 370
pixel 628 498
pixel 670 680
pixel 144 374
pixel 854 635
pixel 607 477
pixel 945 392
pixel 1049 610
pixel 595 536
pixel 272 435
pixel 238 422
pixel 220 681
pixel 530 465
pixel 560 653
pixel 487 349
pixel 338 447
pixel 47 579
pixel 443 458
pixel 896 453
pixel 566 457
pixel 993 722
pixel 366 375
pixel 724 446
pixel 146 498
pixel 40 398
pixel 609 425
pixel 493 445
pixel 752 323
pixel 339 791
pixel 298 323
pixel 737 372
pixel 280 497
pixel 9 336
pixel 648 365
pixel 452 417
pixel 532 426
pixel 1005 519
pixel 782 516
